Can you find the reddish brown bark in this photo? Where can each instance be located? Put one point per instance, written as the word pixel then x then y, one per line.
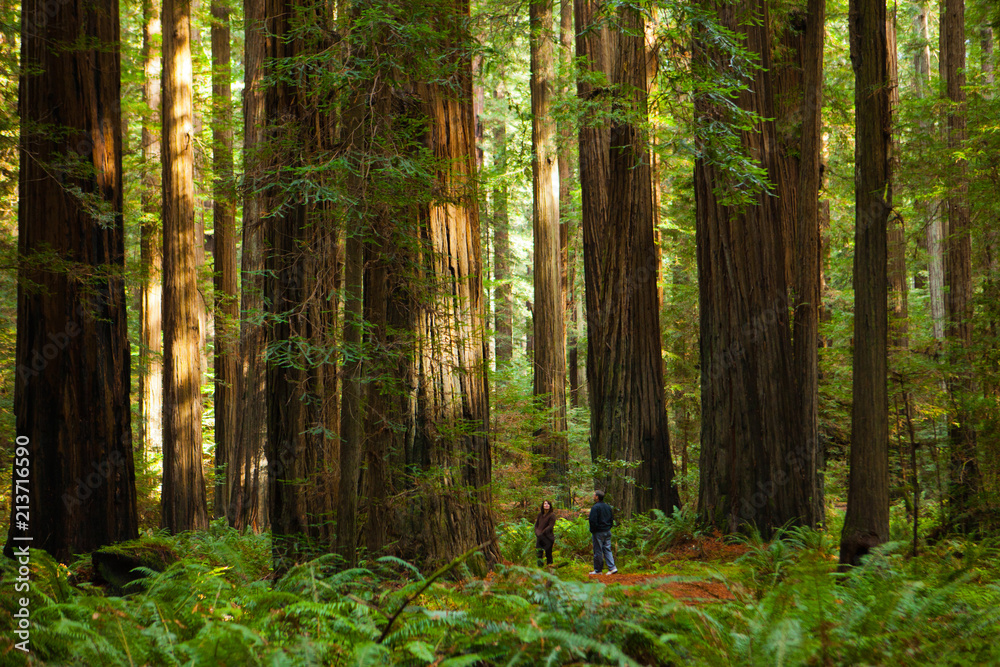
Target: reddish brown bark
pixel 73 452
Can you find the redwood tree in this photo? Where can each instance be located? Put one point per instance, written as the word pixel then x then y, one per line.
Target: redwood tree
pixel 150 240
pixel 298 272
pixel 183 495
pixel 71 386
pixel 450 511
pixel 965 478
pixel 549 360
pixel 624 362
pixel 250 429
pixel 226 295
pixel 866 523
pixel 759 451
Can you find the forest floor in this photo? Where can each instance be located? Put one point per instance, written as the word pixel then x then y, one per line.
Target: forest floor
pixel 682 596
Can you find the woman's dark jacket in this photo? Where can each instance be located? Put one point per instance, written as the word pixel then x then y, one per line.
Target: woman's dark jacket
pixel 544 526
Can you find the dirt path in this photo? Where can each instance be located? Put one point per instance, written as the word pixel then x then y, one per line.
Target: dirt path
pixel 691 592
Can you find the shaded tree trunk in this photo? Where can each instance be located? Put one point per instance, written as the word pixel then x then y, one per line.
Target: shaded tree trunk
pixel 965 479
pixel 866 523
pixel 183 495
pixel 74 483
pixel 227 304
pixel 150 242
pixel 251 429
pixel 624 363
pixel 807 287
pixel 298 274
pixel 549 363
pixel 758 464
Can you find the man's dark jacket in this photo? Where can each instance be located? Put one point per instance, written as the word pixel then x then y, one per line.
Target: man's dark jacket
pixel 601 518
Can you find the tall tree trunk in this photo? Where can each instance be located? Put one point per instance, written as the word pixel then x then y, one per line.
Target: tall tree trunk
pixel 991 286
pixel 593 141
pixel 298 269
pixel 896 238
pixel 758 469
pixel 866 523
pixel 549 362
pixel 624 364
pixel 227 305
pixel 150 243
pixel 451 508
pixel 808 296
pixel 183 495
pixel 929 208
pixel 74 483
pixel 251 427
pixel 503 298
pixel 567 234
pixel 965 479
pixel 351 416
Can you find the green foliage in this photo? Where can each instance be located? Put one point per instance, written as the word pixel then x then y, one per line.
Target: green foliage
pixel 941 608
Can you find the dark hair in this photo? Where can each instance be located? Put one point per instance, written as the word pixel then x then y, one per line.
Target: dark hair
pixel 541 508
pixel 600 495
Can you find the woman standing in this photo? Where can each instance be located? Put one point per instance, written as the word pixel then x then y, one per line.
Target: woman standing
pixel 544 536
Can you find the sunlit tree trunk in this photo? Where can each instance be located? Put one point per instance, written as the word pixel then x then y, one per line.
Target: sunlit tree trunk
pixel 866 523
pixel 567 232
pixel 929 208
pixel 503 293
pixel 549 363
pixel 183 495
pixel 451 508
pixel 898 287
pixel 151 241
pixel 71 384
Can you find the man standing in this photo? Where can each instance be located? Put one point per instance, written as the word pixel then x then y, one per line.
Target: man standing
pixel 601 521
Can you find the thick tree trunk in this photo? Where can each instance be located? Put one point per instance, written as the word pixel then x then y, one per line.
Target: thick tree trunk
pixel 299 268
pixel 450 511
pixel 866 523
pixel 965 478
pixel 758 465
pixel 73 483
pixel 183 495
pixel 150 243
pixel 227 307
pixel 549 362
pixel 624 364
pixel 245 461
